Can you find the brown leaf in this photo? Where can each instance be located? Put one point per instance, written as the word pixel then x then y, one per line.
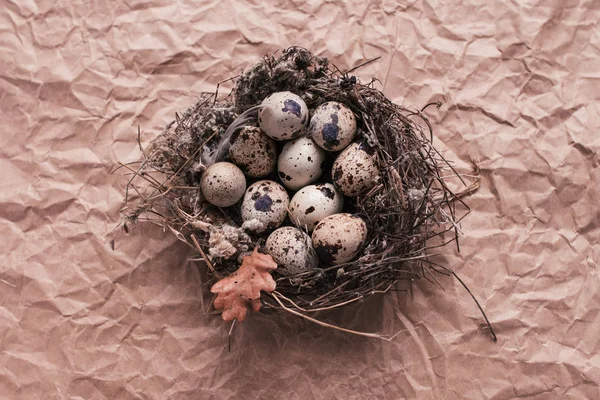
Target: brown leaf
pixel 242 288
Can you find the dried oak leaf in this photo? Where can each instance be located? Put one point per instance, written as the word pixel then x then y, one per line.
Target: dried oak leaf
pixel 242 288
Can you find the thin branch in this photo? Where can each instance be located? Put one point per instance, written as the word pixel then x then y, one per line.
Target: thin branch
pixel 206 259
pixel 489 325
pixel 362 65
pixel 326 325
pixel 229 335
pixel 139 139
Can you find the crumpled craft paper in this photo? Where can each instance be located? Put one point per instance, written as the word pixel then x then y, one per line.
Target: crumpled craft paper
pixel 79 320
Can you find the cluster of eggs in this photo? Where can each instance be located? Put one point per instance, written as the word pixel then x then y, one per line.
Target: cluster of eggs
pixel 337 237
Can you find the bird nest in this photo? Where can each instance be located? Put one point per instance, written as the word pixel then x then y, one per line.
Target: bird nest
pixel 409 206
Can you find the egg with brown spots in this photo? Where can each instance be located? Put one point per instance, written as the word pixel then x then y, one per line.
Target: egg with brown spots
pixel 355 169
pixel 223 184
pixel 313 203
pixel 333 126
pixel 265 204
pixel 300 162
pixel 284 116
pixel 253 151
pixel 339 238
pixel 292 251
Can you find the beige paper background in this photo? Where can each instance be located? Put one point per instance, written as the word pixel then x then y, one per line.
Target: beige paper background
pixel 521 86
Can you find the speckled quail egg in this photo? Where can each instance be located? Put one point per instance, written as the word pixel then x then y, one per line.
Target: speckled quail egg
pixel 355 169
pixel 284 117
pixel 339 238
pixel 223 184
pixel 265 202
pixel 313 203
pixel 333 126
pixel 292 250
pixel 254 152
pixel 300 162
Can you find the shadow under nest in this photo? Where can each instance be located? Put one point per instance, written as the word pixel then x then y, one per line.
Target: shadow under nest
pixel 411 205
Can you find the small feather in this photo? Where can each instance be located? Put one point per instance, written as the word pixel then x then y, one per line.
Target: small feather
pixel 209 158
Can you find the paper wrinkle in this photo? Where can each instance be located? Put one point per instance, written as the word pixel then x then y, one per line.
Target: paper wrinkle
pixel 520 88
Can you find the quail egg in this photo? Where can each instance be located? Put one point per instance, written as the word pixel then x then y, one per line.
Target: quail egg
pixel 355 169
pixel 264 206
pixel 284 117
pixel 254 152
pixel 223 184
pixel 333 126
pixel 300 162
pixel 313 203
pixel 292 250
pixel 339 238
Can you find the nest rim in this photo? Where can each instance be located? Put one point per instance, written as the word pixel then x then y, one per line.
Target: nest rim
pixel 411 206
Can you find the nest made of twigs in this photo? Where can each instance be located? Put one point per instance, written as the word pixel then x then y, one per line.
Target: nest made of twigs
pixel 411 204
